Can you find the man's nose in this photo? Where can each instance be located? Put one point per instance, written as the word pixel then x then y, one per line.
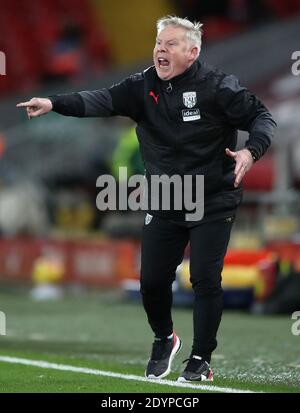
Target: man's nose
pixel 161 48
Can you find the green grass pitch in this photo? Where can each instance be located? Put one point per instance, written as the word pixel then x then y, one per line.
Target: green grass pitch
pixel 102 332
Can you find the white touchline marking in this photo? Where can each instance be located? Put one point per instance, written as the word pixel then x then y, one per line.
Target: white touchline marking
pixel 84 370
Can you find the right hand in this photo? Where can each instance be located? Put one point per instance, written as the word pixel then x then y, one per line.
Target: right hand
pixel 36 107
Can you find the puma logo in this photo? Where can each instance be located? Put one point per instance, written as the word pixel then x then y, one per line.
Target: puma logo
pixel 151 93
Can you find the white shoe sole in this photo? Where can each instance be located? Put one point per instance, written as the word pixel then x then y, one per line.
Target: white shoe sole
pixel 203 378
pixel 175 350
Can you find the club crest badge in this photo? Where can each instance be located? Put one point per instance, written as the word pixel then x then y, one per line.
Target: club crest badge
pixel 148 219
pixel 189 99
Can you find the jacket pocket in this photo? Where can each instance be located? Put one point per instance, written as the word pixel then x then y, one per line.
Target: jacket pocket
pixel 232 199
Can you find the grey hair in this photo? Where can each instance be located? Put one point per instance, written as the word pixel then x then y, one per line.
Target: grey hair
pixel 193 30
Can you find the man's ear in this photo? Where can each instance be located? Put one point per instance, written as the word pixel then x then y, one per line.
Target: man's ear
pixel 194 52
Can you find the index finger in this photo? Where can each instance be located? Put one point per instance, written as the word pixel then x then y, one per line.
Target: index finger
pixel 238 166
pixel 24 104
pixel 239 177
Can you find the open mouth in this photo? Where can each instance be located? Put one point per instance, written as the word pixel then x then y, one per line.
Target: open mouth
pixel 163 62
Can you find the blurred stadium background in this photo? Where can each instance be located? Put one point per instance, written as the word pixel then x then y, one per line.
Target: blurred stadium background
pixel 55 245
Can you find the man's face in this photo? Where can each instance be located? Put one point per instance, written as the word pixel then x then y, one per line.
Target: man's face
pixel 172 53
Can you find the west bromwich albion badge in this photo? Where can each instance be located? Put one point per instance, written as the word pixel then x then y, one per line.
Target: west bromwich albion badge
pixel 190 114
pixel 148 219
pixel 189 99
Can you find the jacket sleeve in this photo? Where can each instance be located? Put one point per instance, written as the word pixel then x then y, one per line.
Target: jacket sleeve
pixel 123 99
pixel 243 110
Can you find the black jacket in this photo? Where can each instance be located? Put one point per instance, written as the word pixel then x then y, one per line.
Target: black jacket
pixel 184 126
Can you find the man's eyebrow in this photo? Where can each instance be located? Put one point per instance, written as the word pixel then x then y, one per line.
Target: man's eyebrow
pixel 169 40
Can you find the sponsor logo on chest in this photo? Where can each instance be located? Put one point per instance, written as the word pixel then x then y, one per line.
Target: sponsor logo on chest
pixel 190 114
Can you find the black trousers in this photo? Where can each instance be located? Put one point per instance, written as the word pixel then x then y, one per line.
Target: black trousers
pixel 163 245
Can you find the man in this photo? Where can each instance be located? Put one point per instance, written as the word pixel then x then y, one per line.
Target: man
pixel 187 116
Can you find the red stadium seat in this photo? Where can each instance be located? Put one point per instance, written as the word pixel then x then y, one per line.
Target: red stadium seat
pixel 32 32
pixel 261 176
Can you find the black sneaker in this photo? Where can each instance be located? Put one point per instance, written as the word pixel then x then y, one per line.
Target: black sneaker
pixel 197 369
pixel 163 353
